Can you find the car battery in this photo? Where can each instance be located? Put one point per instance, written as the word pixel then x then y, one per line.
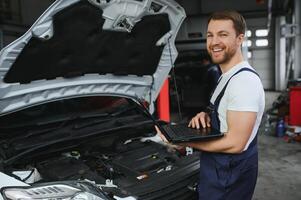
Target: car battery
pixel 295 106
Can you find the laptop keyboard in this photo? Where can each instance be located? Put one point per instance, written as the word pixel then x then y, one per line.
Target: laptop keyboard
pixel 182 130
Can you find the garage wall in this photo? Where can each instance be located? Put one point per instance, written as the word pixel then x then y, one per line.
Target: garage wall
pixel 16 17
pixel 29 15
pixel 262 61
pixel 192 34
pixel 262 57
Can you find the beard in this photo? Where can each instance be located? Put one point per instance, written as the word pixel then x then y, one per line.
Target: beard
pixel 226 56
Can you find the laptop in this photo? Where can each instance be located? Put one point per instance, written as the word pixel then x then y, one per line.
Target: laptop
pixel 179 133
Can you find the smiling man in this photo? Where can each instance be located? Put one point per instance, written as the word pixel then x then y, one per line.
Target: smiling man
pixel 229 165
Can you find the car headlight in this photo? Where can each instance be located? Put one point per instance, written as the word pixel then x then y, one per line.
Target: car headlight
pixel 53 192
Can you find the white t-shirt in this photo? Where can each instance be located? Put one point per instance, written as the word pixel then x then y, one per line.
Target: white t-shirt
pixel 243 93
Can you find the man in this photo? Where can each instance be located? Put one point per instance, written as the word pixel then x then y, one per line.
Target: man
pixel 229 165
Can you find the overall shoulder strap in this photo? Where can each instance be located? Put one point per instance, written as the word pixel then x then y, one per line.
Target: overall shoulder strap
pixel 221 94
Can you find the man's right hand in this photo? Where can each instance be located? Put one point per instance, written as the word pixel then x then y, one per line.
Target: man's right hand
pixel 201 119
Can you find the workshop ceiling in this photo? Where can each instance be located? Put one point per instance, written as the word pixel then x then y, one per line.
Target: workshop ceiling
pixel 247 7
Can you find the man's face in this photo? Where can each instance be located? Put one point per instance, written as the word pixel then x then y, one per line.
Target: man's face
pixel 222 41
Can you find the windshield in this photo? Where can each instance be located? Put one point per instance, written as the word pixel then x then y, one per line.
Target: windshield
pixel 67 109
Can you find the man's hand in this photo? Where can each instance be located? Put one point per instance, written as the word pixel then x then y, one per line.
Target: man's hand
pixel 180 147
pixel 201 119
pixel 161 135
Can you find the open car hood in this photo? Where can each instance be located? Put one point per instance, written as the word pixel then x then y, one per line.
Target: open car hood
pixel 91 47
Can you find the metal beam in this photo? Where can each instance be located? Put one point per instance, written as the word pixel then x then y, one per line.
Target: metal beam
pixel 1 39
pixel 297 63
pixel 280 58
pixel 270 3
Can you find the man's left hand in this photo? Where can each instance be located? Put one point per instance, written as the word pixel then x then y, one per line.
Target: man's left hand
pixel 179 147
pixel 161 135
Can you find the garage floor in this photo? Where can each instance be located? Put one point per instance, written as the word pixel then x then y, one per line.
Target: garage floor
pixel 279 170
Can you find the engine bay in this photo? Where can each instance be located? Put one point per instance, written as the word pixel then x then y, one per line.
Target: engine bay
pixel 125 164
pixel 113 147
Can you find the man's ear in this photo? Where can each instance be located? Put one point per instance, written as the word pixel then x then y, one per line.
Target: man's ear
pixel 241 38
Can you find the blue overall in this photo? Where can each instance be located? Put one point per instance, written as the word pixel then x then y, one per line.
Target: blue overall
pixel 227 176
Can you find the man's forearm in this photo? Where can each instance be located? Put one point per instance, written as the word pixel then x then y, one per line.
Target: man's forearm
pixel 223 145
pixel 240 126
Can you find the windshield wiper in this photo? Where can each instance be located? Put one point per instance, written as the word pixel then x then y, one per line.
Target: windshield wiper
pixel 40 128
pixel 70 117
pixel 81 125
pixel 56 119
pixel 73 116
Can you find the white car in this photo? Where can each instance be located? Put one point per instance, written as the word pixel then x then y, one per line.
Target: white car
pixel 76 93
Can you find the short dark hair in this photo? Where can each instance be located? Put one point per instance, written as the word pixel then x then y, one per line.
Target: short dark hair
pixel 237 19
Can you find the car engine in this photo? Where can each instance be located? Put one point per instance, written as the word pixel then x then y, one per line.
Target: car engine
pixel 118 168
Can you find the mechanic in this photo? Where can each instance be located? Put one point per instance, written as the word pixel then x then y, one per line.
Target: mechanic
pixel 229 165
